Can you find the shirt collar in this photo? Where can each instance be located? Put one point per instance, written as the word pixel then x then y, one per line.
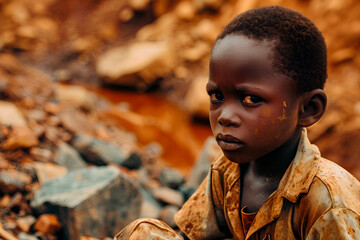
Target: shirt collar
pixel 300 174
pixel 296 180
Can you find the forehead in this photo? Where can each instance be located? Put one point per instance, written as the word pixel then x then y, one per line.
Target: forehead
pixel 238 61
pixel 242 51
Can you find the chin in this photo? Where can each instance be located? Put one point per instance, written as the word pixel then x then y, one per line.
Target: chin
pixel 235 157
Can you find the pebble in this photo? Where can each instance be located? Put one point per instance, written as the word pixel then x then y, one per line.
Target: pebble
pixel 11 180
pixel 48 223
pixel 24 223
pixel 171 178
pixel 168 195
pixel 167 215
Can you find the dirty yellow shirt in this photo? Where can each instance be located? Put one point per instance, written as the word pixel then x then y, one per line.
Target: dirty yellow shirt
pixel 315 199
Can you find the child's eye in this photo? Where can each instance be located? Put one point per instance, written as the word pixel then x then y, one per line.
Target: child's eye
pixel 251 99
pixel 216 97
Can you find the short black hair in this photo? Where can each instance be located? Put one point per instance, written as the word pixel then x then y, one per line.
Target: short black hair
pixel 301 50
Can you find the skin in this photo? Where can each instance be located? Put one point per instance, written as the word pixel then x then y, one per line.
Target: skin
pixel 257 113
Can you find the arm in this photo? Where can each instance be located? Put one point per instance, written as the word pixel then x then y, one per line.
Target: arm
pixel 197 218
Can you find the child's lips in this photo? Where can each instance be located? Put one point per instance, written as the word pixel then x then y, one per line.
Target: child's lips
pixel 228 142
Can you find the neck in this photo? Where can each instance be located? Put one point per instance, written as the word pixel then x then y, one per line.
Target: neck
pixel 273 165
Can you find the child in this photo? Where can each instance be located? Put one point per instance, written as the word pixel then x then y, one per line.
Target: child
pixel 266 79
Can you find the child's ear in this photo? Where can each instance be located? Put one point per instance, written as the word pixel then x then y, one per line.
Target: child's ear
pixel 313 107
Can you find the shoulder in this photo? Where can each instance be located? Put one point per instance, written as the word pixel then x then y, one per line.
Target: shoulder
pixel 332 187
pixel 342 188
pixel 332 199
pixel 337 223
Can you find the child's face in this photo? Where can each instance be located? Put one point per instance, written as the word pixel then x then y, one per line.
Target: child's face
pixel 253 108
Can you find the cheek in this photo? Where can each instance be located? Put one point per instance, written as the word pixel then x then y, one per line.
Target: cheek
pixel 266 112
pixel 274 123
pixel 213 120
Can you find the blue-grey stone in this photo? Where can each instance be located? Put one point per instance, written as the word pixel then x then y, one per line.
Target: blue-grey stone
pixel 133 161
pixel 68 157
pixel 202 165
pixel 171 178
pixel 95 201
pixel 150 208
pixel 98 152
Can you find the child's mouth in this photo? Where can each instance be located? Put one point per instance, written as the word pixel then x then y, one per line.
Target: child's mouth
pixel 228 142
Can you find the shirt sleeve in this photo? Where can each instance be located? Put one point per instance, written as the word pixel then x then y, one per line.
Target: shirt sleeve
pixel 197 218
pixel 338 223
pixel 147 228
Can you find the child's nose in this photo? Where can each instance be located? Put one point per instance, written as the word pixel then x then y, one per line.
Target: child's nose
pixel 228 117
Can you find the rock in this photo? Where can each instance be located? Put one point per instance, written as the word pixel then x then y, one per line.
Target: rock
pixel 144 179
pixel 95 201
pixel 25 236
pixel 196 99
pixel 52 107
pixel 187 191
pixel 41 154
pixel 138 65
pixel 84 44
pixel 5 234
pixel 132 162
pixel 197 52
pixel 26 82
pixel 4 164
pixel 40 235
pixel 153 150
pixel 202 165
pixel 160 7
pixel 98 152
pixel 92 238
pixel 36 115
pixel 167 215
pixel 5 201
pixel 12 180
pixel 68 157
pixel 9 224
pixel 62 75
pixel 139 4
pixel 76 96
pixel 48 171
pixel 208 4
pixel 171 178
pixel 21 136
pixel 168 195
pixel 15 201
pixel 53 120
pixel 37 128
pixel 126 14
pixel 185 10
pixel 4 85
pixel 76 121
pixel 150 207
pixel 11 115
pixel 24 223
pixel 52 134
pixel 48 223
pixel 160 30
pixel 205 30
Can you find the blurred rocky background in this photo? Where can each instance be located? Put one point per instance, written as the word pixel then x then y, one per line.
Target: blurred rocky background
pixel 103 109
